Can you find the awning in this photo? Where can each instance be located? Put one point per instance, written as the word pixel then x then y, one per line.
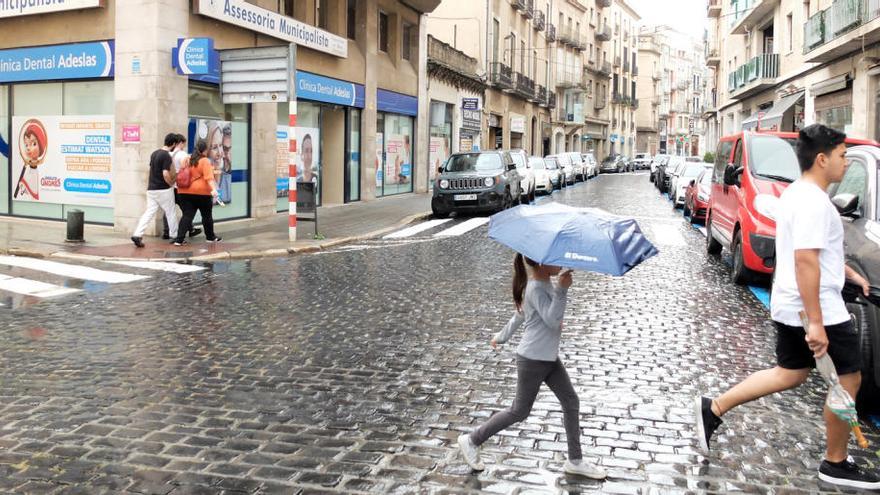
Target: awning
pixel 773 115
pixel 837 83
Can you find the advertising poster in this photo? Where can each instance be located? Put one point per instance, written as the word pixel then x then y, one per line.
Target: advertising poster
pixel 218 135
pixel 398 163
pixel 308 157
pixel 379 164
pixel 63 159
pixel 282 168
pixel 437 154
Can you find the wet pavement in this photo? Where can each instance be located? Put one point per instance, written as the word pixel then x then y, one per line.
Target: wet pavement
pixel 354 370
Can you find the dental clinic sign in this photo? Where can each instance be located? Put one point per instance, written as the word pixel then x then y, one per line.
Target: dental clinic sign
pixel 258 19
pixel 15 8
pixel 46 63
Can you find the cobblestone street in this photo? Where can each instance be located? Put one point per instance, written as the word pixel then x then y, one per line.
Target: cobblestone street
pixel 354 370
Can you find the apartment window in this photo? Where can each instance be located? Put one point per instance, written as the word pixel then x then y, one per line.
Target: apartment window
pixel 789 26
pixel 592 21
pixel 383 32
pixel 512 50
pixel 323 13
pixel 496 42
pixel 406 42
pixel 285 7
pixel 522 58
pixel 806 10
pixel 351 20
pixel 535 65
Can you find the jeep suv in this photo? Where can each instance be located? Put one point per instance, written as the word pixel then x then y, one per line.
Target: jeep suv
pixel 476 182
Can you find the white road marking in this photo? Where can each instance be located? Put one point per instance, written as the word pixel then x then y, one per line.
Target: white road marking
pixel 463 227
pixel 72 271
pixel 33 287
pixel 416 229
pixel 160 266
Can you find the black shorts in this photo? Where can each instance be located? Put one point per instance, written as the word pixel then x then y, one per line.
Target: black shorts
pixel 793 353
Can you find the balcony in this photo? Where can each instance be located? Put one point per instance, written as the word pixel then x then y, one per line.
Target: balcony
pixel 756 75
pixel 713 58
pixel 603 33
pixel 566 79
pixel 634 103
pixel 529 10
pixel 751 13
pixel 551 32
pixel 649 45
pixel 682 85
pixel 524 87
pixel 656 75
pixel 844 27
pixel 714 8
pixel 541 95
pixel 518 5
pixel 603 3
pixel 538 21
pixel 567 36
pixel 551 101
pixel 617 98
pixel 617 61
pixel 605 69
pixel 502 77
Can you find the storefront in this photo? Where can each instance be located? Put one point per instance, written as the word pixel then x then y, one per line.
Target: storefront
pixel 328 137
pixel 833 103
pixel 496 133
pixel 469 133
pixel 57 131
pixel 395 135
pixel 517 129
pixel 440 139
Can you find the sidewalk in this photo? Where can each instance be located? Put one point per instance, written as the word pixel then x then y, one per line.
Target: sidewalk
pixel 248 238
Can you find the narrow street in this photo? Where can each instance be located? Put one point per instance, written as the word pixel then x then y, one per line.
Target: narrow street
pixel 354 370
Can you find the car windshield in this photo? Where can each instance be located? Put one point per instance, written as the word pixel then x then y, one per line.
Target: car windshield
pixel 639 156
pixel 773 158
pixel 537 163
pixel 473 162
pixel 550 163
pixel 609 159
pixel 518 159
pixel 706 178
pixel 693 170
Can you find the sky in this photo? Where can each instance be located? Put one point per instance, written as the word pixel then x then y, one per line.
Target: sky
pixel 687 16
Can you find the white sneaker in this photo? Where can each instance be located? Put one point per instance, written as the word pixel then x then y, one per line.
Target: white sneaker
pixel 470 452
pixel 581 468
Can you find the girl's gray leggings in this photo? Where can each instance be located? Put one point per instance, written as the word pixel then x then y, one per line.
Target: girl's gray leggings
pixel 530 374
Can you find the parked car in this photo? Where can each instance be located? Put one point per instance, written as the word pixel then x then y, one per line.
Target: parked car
pixel 642 161
pixel 695 159
pixel 673 165
pixel 656 162
pixel 751 170
pixel 564 161
pixel 521 158
pixel 861 225
pixel 591 165
pixel 578 165
pixel 696 201
pixel 690 172
pixel 475 182
pixel 612 164
pixel 543 177
pixel 557 175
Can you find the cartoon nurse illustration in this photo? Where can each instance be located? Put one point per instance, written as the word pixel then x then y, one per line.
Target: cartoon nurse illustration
pixel 32 145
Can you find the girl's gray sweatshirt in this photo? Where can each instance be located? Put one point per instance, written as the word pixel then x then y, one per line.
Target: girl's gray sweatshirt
pixel 542 310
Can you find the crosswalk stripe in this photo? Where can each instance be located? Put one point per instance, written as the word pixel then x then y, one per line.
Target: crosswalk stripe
pixel 416 229
pixel 33 287
pixel 160 266
pixel 72 271
pixel 463 227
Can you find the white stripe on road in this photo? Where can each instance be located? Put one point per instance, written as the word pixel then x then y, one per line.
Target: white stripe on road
pixel 33 287
pixel 463 227
pixel 416 229
pixel 72 271
pixel 160 266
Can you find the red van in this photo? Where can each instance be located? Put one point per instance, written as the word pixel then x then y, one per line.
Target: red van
pixel 751 171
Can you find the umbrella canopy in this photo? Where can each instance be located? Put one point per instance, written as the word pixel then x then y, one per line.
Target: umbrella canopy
pixel 580 238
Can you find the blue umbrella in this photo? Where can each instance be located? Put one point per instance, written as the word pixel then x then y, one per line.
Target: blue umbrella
pixel 580 238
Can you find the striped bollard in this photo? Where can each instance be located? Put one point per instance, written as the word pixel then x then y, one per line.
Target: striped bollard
pixel 291 164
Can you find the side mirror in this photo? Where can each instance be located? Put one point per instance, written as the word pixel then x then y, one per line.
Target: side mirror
pixel 511 166
pixel 440 169
pixel 846 204
pixel 731 175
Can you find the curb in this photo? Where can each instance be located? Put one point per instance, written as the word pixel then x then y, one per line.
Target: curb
pixel 227 255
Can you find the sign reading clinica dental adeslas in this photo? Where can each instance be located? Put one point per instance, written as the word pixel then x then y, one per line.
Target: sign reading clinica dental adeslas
pixel 15 8
pixel 45 63
pixel 258 19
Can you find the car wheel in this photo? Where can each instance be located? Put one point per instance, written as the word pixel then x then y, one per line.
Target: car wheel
pixel 533 196
pixel 439 213
pixel 740 274
pixel 507 201
pixel 713 247
pixel 865 321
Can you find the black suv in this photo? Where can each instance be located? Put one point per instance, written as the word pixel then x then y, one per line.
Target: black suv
pixel 476 182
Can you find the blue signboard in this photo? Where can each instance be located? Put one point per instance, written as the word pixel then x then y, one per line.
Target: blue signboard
pixel 389 101
pixel 45 63
pixel 194 56
pixel 319 88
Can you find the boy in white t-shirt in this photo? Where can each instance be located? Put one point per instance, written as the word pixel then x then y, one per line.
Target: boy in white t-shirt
pixel 810 274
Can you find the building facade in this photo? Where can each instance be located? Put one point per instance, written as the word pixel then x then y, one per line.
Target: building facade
pixel 782 65
pixel 623 54
pixel 674 84
pixel 99 84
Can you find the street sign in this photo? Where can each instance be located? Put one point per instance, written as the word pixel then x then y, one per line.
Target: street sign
pixel 258 75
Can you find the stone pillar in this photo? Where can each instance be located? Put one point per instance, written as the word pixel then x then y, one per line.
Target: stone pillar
pixel 369 38
pixel 148 93
pixel 421 139
pixel 264 121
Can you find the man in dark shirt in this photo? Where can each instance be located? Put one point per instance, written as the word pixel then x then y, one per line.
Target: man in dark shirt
pixel 160 194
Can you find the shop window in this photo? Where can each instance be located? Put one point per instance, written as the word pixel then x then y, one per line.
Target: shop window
pixel 353 174
pixel 406 42
pixel 383 32
pixel 5 149
pixel 394 170
pixel 351 19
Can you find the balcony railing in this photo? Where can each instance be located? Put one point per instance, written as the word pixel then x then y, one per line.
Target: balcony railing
pixel 603 33
pixel 538 21
pixel 656 75
pixel 655 100
pixel 551 32
pixel 616 61
pixel 605 68
pixel 502 76
pixel 682 84
pixel 762 67
pixel 566 79
pixel 603 3
pixel 529 10
pixel 713 58
pixel 840 18
pixel 551 100
pixel 541 95
pixel 616 98
pixel 525 87
pixel 634 103
pixel 714 8
pixel 518 4
pixel 567 36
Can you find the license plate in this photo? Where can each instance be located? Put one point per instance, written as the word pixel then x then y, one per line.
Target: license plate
pixel 465 197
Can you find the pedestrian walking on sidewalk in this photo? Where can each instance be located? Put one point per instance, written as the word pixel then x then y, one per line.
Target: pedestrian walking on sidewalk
pixel 179 157
pixel 809 276
pixel 198 195
pixel 540 307
pixel 160 195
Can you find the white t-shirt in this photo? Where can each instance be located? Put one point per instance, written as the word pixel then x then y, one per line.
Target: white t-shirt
pixel 179 157
pixel 806 219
